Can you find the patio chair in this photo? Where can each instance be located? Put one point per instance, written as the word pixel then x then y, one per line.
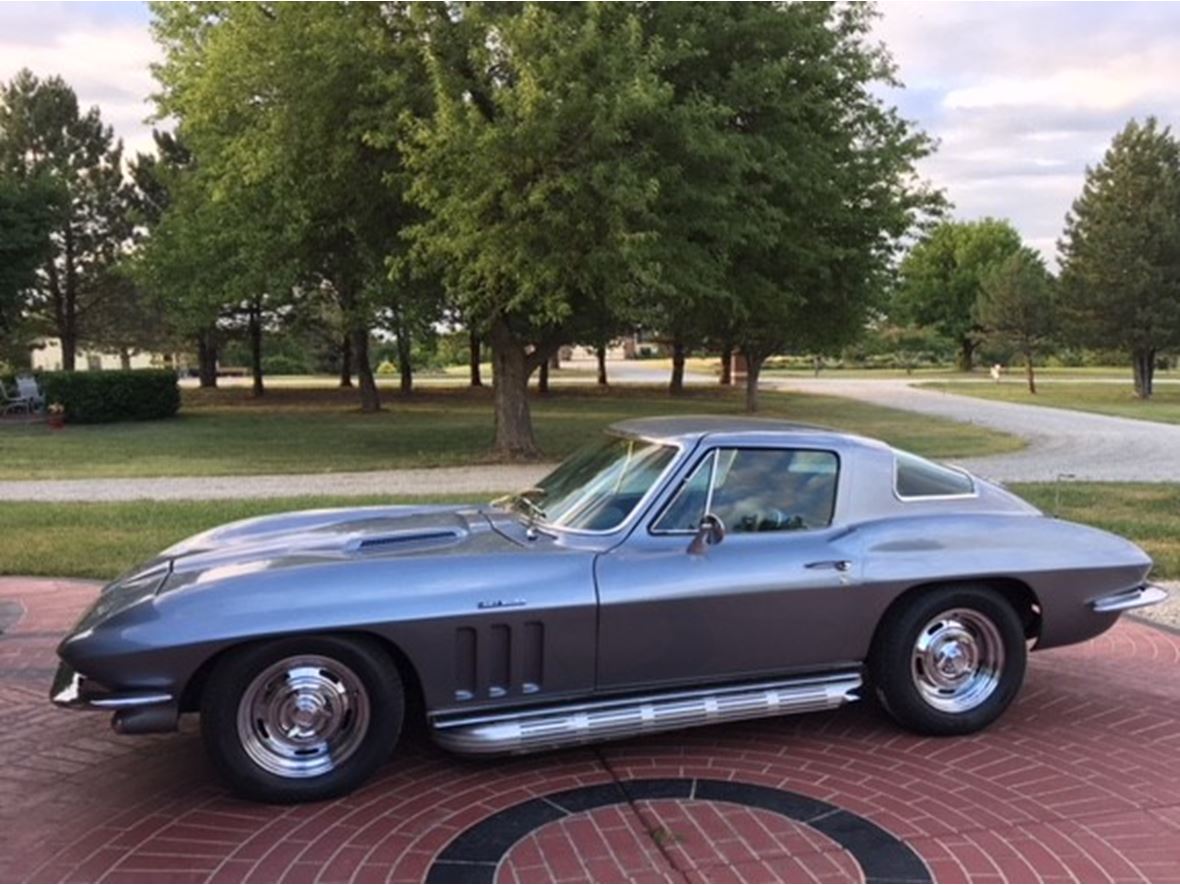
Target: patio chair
pixel 10 403
pixel 27 389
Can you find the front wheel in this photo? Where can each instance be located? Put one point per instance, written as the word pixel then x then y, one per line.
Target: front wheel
pixel 302 719
pixel 949 662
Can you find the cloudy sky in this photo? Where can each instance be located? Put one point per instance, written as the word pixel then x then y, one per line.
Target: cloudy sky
pixel 1021 96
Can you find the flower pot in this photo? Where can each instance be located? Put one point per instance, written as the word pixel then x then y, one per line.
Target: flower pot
pixel 56 422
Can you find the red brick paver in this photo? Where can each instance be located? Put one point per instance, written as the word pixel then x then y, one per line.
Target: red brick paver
pixel 1079 781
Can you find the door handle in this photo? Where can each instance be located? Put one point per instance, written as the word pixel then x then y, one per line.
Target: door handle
pixel 839 565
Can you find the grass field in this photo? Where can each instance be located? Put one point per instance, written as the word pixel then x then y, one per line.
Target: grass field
pixel 1104 397
pixel 311 430
pixel 100 540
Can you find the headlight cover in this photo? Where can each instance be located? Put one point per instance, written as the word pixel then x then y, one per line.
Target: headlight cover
pixel 124 592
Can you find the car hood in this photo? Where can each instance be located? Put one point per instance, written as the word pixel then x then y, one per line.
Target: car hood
pixel 317 536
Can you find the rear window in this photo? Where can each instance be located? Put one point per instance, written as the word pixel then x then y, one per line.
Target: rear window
pixel 916 477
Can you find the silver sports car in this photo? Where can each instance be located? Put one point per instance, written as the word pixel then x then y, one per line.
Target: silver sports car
pixel 676 572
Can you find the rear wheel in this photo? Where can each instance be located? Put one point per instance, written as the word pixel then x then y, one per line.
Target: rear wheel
pixel 950 661
pixel 301 719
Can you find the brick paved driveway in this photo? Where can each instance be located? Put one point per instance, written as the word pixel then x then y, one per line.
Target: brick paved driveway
pixel 1080 781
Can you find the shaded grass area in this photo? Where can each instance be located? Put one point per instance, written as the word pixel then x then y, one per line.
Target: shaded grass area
pixel 311 430
pixel 1103 397
pixel 100 540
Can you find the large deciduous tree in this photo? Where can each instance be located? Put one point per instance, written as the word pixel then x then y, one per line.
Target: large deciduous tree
pixel 43 135
pixel 942 276
pixel 1120 254
pixel 535 183
pixel 278 102
pixel 1016 307
pixel 786 182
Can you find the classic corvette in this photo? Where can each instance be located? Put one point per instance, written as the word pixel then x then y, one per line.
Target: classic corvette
pixel 677 572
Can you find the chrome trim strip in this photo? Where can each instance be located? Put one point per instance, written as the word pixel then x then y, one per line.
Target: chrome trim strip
pixel 1136 597
pixel 581 723
pixel 123 702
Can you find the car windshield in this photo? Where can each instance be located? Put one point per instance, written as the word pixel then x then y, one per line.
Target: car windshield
pixel 597 487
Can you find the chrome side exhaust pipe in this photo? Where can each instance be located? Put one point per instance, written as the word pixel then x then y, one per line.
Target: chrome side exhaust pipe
pixel 546 728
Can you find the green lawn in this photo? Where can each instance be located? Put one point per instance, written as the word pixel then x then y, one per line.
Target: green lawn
pixel 100 540
pixel 309 430
pixel 1105 397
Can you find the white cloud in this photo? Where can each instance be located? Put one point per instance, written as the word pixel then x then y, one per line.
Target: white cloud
pixel 1022 97
pixel 103 53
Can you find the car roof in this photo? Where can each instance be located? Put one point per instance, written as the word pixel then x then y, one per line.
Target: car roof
pixel 690 428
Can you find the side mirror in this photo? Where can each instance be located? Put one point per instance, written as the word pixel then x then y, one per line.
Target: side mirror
pixel 711 531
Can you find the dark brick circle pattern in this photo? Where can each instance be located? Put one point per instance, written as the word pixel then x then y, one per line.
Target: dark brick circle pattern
pixel 475 854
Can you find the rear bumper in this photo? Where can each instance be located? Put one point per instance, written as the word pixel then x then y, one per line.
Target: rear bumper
pixel 1124 600
pixel 136 712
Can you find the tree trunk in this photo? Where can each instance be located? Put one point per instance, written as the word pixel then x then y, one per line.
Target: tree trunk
pixel 405 361
pixel 473 360
pixel 206 360
pixel 256 350
pixel 727 364
pixel 676 385
pixel 69 349
pixel 600 355
pixel 370 398
pixel 1032 378
pixel 966 356
pixel 555 359
pixel 346 361
pixel 753 370
pixel 124 359
pixel 68 312
pixel 514 423
pixel 543 378
pixel 1143 364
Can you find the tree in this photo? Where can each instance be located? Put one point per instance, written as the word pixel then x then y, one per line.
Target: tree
pixel 1016 307
pixel 942 276
pixel 789 182
pixel 44 136
pixel 535 186
pixel 307 149
pixel 1120 254
pixel 28 209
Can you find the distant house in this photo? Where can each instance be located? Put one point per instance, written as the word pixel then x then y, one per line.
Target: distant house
pixel 45 356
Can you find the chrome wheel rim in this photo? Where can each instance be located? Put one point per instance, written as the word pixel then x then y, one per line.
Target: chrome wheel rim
pixel 303 716
pixel 958 660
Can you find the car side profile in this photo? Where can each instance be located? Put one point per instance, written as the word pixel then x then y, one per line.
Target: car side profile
pixel 677 572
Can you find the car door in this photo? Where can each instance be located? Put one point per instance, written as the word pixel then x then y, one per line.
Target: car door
pixel 769 598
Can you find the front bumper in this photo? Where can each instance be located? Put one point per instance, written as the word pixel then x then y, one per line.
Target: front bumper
pixel 1124 600
pixel 136 712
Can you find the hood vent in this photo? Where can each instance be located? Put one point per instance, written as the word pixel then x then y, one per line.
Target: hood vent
pixel 387 542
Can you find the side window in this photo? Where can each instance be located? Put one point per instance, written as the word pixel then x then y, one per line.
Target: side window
pixel 757 490
pixel 918 478
pixel 774 490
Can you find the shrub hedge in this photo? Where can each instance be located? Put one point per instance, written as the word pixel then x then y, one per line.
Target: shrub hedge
pixel 101 397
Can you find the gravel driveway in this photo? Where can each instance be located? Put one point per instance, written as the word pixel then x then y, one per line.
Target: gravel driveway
pixel 1083 445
